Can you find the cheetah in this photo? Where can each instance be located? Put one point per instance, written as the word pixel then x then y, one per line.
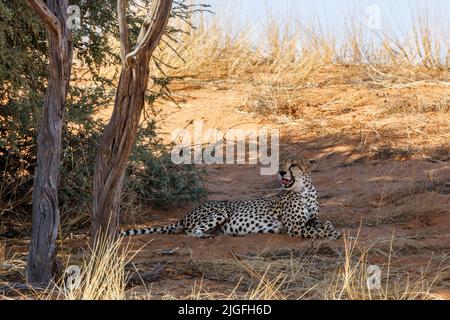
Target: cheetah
pixel 293 211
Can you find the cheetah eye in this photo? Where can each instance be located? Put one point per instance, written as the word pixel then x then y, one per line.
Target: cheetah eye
pixel 293 165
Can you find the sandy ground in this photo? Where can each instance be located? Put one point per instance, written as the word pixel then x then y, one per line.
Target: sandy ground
pixel 398 202
pixel 379 200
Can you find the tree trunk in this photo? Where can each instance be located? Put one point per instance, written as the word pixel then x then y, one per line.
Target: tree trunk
pixel 120 134
pixel 45 225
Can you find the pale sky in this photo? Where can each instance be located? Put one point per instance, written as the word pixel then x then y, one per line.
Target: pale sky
pixel 395 15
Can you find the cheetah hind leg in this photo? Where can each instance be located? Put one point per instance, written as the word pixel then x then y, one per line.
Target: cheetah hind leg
pixel 318 224
pixel 206 227
pixel 320 230
pixel 330 231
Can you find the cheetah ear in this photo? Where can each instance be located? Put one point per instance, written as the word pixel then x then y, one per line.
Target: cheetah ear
pixel 304 165
pixel 308 165
pixel 313 164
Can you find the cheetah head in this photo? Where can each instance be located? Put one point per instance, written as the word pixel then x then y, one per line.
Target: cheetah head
pixel 295 174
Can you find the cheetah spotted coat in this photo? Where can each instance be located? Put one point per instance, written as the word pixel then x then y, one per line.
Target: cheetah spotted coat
pixel 293 211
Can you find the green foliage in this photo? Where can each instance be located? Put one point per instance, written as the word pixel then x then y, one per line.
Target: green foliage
pixel 152 176
pixel 23 53
pixel 152 179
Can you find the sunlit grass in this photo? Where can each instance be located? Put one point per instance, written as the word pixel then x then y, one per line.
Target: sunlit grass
pixel 340 276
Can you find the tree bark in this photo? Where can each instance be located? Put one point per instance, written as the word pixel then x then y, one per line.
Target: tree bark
pixel 120 134
pixel 45 224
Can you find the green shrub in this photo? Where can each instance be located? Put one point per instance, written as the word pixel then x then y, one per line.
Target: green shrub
pixel 151 177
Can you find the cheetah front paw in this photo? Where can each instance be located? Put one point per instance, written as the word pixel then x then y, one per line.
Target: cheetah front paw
pixel 335 235
pixel 328 226
pixel 197 233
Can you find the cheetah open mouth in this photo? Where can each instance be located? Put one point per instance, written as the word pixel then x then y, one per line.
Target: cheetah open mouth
pixel 287 183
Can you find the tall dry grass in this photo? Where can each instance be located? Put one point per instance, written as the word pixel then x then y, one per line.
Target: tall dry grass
pixel 350 281
pixel 100 275
pixel 294 50
pixel 321 274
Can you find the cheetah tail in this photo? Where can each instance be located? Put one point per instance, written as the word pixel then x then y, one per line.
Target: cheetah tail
pixel 170 229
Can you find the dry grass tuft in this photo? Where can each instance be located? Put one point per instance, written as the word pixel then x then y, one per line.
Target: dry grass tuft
pixel 350 281
pixel 274 102
pixel 100 275
pixel 320 273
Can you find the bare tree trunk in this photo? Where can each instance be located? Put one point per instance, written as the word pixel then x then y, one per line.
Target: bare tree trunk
pixel 120 134
pixel 45 225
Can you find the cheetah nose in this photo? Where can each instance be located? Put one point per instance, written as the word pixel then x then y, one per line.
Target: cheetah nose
pixel 283 173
